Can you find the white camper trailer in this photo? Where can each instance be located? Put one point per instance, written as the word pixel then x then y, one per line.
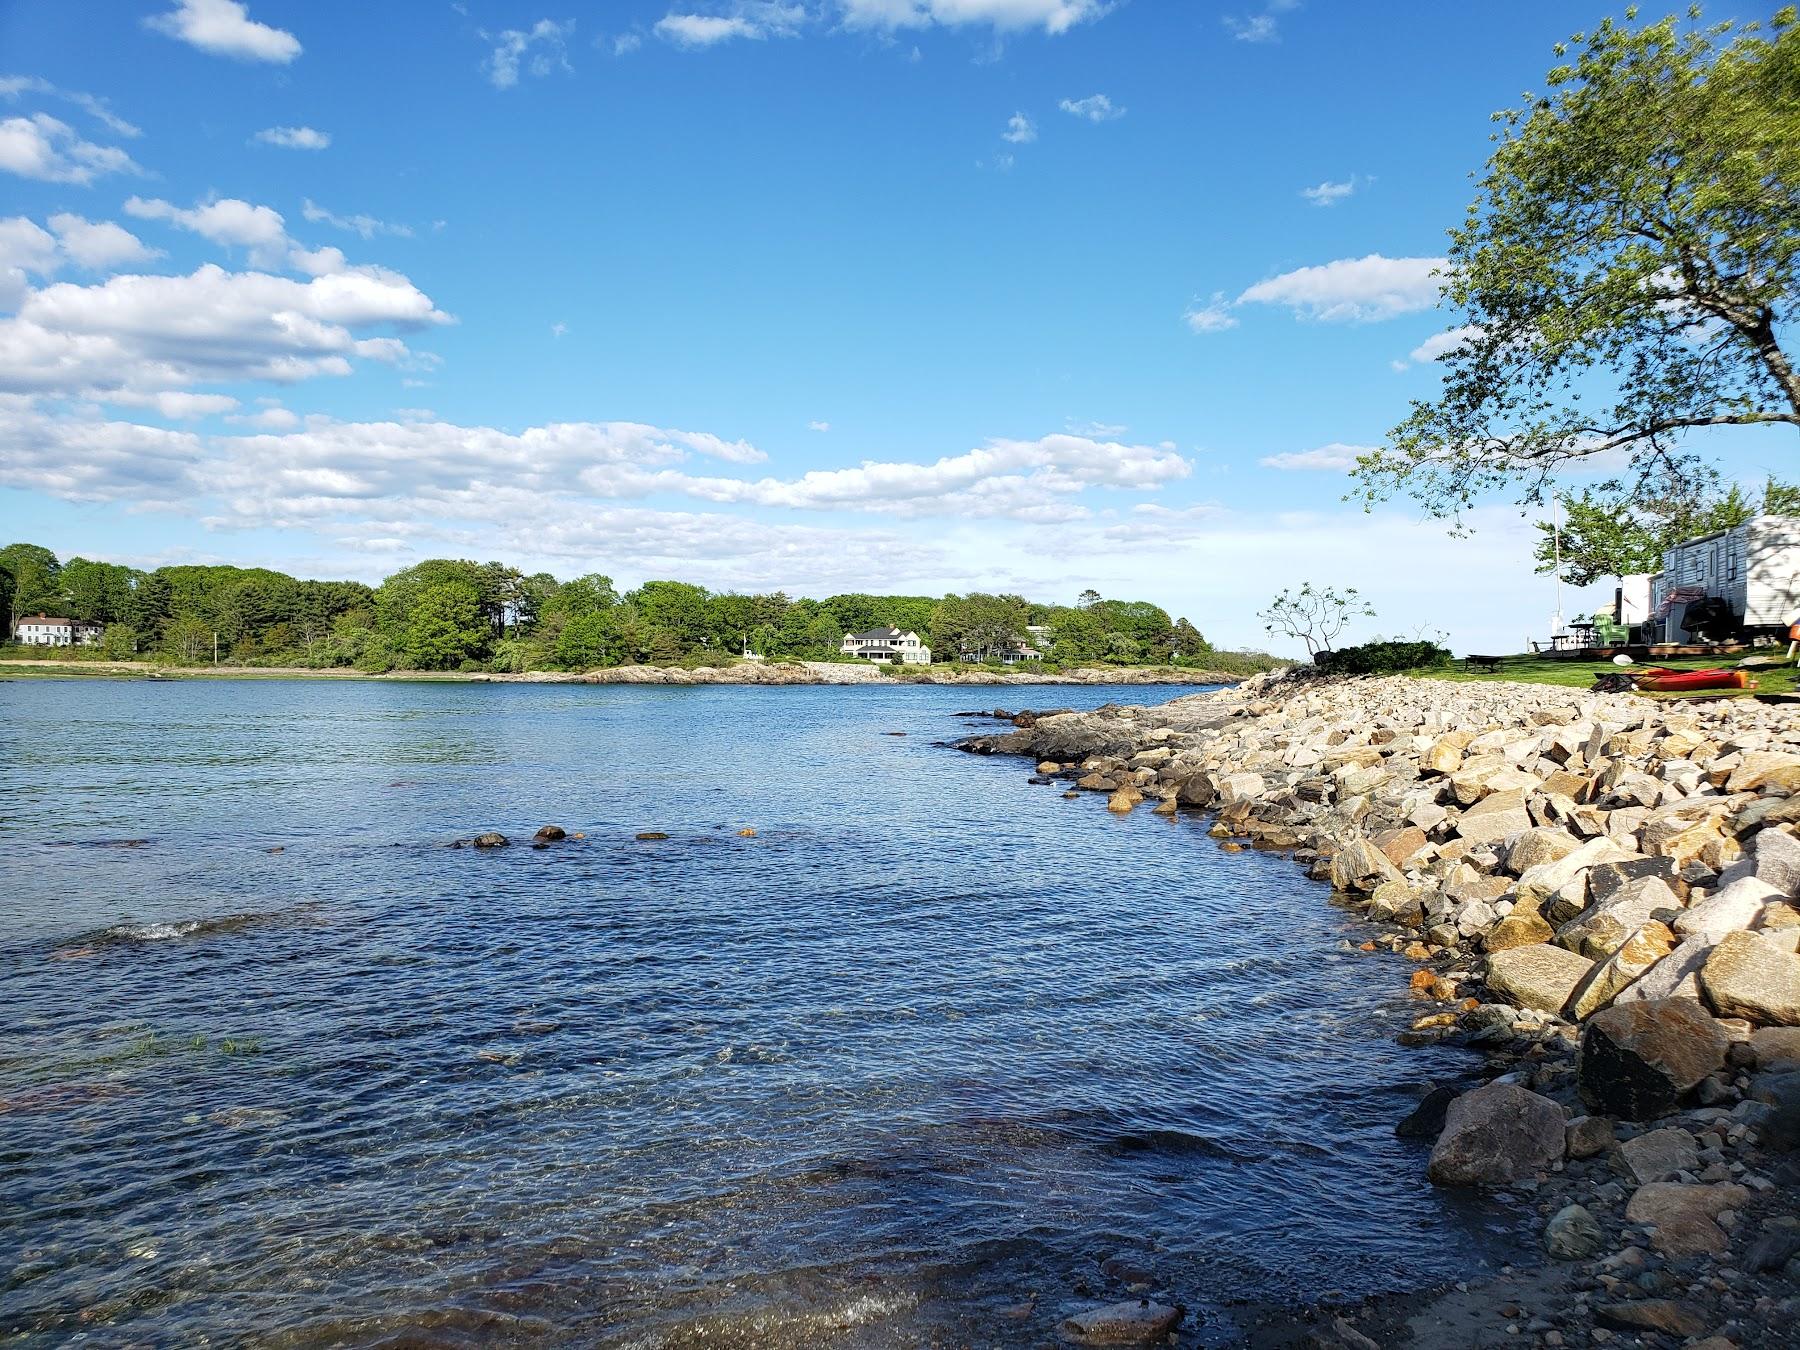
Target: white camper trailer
pixel 1754 569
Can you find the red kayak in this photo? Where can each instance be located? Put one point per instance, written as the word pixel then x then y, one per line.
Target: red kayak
pixel 1658 681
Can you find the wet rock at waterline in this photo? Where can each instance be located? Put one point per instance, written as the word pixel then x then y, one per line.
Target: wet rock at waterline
pixel 1139 1322
pixel 1497 1134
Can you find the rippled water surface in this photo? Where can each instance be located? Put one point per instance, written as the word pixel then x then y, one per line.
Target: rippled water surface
pixel 904 1067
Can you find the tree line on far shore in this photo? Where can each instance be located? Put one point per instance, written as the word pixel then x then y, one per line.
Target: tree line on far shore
pixel 453 614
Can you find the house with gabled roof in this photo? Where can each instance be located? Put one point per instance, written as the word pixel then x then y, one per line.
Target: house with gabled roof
pixel 888 646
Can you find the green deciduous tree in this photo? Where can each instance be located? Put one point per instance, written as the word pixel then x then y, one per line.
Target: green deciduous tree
pixel 1611 532
pixel 447 626
pixel 1626 273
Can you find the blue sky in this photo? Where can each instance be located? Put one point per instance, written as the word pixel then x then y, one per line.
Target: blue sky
pixel 908 295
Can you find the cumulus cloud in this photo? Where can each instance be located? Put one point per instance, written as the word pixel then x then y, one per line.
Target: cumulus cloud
pixel 539 50
pixel 43 148
pixel 229 221
pixel 26 250
pixel 367 226
pixel 1052 16
pixel 99 245
pixel 1026 480
pixel 148 334
pixel 225 28
pixel 1334 458
pixel 1353 290
pixel 818 426
pixel 13 86
pixel 1020 129
pixel 1095 108
pixel 294 138
pixel 751 19
pixel 1442 344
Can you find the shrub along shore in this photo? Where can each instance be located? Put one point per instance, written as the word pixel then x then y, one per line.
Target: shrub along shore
pixel 1598 892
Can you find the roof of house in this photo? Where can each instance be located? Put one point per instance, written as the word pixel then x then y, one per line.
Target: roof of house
pixel 876 635
pixel 53 619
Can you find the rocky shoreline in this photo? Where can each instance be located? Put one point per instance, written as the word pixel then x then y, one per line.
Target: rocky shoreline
pixel 1598 893
pixel 747 672
pixel 845 673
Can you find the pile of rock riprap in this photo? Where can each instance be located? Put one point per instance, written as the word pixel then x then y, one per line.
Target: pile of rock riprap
pixel 1600 891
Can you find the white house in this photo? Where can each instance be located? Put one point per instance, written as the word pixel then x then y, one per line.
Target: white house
pixel 887 645
pixel 1754 568
pixel 41 630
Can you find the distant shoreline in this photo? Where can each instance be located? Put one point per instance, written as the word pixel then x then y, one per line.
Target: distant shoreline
pixel 772 674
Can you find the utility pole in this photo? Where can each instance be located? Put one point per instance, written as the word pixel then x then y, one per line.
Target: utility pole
pixel 215 646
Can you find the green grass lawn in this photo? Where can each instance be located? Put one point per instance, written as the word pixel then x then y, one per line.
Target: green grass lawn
pixel 1530 669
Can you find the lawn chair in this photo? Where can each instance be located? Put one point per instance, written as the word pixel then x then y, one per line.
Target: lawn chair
pixel 1608 632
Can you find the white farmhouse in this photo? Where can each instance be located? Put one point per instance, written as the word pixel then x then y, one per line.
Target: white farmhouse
pixel 887 645
pixel 42 630
pixel 1754 569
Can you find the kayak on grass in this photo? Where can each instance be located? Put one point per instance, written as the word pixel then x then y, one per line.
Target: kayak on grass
pixel 1658 681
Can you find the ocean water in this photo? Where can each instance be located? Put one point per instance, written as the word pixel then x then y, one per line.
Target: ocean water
pixel 906 1066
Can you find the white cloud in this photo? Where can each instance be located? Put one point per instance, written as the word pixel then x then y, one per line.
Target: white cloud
pixel 294 138
pixel 1263 27
pixel 225 28
pixel 1442 344
pixel 818 426
pixel 1020 129
pixel 1024 480
pixel 175 404
pixel 43 148
pixel 1214 316
pixel 12 86
pixel 540 49
pixel 1052 16
pixel 1329 193
pixel 1334 458
pixel 750 19
pixel 148 334
pixel 367 226
pixel 1355 290
pixel 1100 431
pixel 229 221
pixel 558 329
pixel 26 250
pixel 1095 107
pixel 99 245
pixel 626 43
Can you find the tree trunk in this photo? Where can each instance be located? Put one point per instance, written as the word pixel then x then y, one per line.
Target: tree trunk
pixel 1774 359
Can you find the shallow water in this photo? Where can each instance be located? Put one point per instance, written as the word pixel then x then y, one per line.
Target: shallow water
pixel 904 1067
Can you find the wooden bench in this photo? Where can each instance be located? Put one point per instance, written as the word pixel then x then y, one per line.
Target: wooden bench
pixel 1489 664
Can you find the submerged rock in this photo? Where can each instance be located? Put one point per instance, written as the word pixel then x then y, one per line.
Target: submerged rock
pixel 492 839
pixel 1134 1323
pixel 550 833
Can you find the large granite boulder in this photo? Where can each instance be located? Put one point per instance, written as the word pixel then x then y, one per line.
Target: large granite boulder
pixel 1731 909
pixel 1681 1215
pixel 1636 956
pixel 1748 975
pixel 1538 976
pixel 1638 1059
pixel 1495 1135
